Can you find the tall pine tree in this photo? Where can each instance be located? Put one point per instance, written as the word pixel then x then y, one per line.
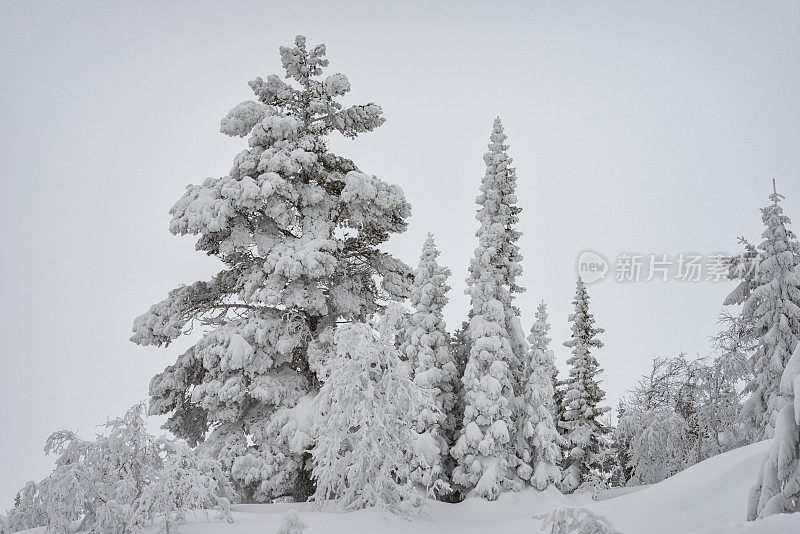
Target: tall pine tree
pixel 581 426
pixel 298 230
pixel 773 311
pixel 495 367
pixel 498 206
pixel 428 348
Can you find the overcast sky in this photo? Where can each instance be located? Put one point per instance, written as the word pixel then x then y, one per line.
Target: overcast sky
pixel 648 127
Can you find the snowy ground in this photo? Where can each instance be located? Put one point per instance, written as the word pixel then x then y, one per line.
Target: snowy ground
pixel 708 498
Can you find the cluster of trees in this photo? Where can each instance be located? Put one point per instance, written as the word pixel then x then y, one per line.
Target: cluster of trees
pixel 769 326
pixel 685 411
pixel 120 481
pixel 682 412
pixel 326 370
pixel 321 350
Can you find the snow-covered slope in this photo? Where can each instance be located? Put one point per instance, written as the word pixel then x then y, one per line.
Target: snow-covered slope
pixel 708 498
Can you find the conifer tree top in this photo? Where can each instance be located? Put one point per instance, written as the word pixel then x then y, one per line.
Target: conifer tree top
pixel 583 329
pixel 497 257
pixel 541 328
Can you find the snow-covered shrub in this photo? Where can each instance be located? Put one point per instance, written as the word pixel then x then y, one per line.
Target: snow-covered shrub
pixel 95 483
pixel 364 416
pixel 777 488
pixel 291 523
pixel 109 484
pixel 659 444
pixel 5 525
pixel 575 521
pixel 184 484
pixel 28 511
pixel 691 404
pixel 593 483
pixel 298 230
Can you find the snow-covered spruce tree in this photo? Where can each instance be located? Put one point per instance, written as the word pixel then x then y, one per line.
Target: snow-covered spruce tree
pixel 735 342
pixel 483 452
pixel 774 308
pixel 777 488
pixel 539 339
pixel 498 206
pixel 537 440
pixel 427 346
pixel 363 423
pixel 460 347
pixel 298 230
pixel 582 395
pixel 743 268
pixel 498 215
pixel 495 367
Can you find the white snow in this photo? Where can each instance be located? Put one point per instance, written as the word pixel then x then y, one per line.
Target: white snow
pixel 708 498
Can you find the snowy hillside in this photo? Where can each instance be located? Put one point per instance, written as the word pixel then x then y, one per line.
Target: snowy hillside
pixel 708 498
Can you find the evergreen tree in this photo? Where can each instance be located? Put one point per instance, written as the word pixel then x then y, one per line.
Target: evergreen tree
pixel 498 214
pixel 777 488
pixel 736 342
pixel 483 451
pixel 773 308
pixel 538 441
pixel 298 229
pixel 743 268
pixel 460 347
pixel 434 368
pixel 582 428
pixel 539 340
pixel 366 444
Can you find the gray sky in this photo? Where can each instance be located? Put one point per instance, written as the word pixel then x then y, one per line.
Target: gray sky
pixel 650 127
